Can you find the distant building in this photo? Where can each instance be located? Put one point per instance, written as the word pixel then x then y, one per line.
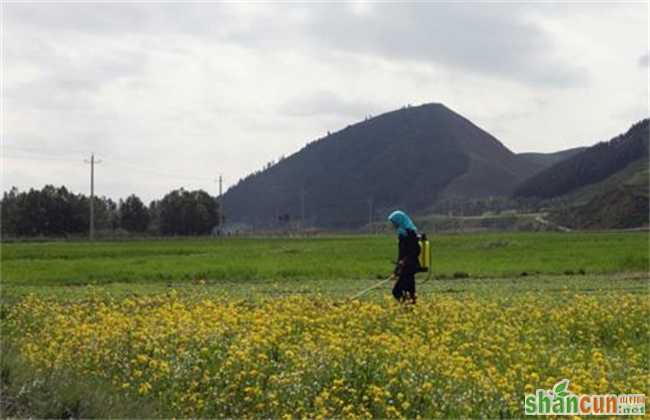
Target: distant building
pixel 232 229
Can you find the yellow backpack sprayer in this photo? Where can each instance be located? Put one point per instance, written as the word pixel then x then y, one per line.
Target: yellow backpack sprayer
pixel 425 266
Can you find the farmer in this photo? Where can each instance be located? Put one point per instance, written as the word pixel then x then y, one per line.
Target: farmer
pixel 407 258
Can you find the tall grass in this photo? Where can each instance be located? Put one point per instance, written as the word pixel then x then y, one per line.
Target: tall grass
pixel 27 392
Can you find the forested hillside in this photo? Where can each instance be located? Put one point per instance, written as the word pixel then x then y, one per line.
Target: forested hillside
pixel 409 158
pixel 589 166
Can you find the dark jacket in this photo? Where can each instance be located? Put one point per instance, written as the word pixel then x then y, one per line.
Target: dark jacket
pixel 408 254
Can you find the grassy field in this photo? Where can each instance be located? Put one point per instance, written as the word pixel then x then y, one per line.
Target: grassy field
pixel 263 327
pixel 353 257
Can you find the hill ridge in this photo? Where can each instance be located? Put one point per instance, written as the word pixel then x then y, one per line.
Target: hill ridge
pixel 402 158
pixel 589 166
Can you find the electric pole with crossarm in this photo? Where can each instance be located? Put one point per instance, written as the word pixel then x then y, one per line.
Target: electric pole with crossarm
pixel 92 162
pixel 222 218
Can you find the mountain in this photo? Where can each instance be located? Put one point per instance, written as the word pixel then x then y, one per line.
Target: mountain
pixel 618 202
pixel 548 159
pixel 590 166
pixel 602 187
pixel 620 208
pixel 407 158
pixel 634 176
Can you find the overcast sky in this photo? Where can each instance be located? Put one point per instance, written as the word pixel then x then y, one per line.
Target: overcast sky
pixel 171 95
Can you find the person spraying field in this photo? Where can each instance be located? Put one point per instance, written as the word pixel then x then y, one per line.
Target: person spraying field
pixel 408 262
pixel 413 256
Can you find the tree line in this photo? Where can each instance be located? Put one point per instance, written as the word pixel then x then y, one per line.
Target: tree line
pixel 55 211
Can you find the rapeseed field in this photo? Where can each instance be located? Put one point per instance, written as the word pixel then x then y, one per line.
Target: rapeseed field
pixel 317 356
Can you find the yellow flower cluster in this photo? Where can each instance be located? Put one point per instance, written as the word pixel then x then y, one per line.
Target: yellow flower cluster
pixel 462 355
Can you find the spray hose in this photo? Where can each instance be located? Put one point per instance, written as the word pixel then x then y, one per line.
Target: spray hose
pixel 373 287
pixel 381 283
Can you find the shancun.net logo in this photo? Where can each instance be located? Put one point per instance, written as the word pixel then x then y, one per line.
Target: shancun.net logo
pixel 561 401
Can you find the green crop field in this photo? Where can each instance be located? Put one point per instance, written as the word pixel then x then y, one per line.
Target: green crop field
pixel 336 265
pixel 262 327
pixel 325 258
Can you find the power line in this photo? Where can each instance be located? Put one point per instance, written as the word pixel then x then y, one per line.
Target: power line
pixel 42 158
pixel 45 151
pixel 151 171
pixel 137 168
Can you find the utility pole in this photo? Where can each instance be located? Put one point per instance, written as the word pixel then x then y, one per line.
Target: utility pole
pixel 220 201
pixel 370 213
pixel 221 218
pixel 92 194
pixel 302 208
pixel 462 216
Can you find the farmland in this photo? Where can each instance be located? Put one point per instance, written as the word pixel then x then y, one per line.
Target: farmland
pixel 352 258
pixel 260 327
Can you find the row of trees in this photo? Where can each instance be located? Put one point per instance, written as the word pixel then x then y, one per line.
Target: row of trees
pixel 54 211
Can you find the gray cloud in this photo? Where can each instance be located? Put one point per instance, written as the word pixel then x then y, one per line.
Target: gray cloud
pixel 323 103
pixel 201 89
pixel 111 18
pixel 486 39
pixel 494 40
pixel 644 60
